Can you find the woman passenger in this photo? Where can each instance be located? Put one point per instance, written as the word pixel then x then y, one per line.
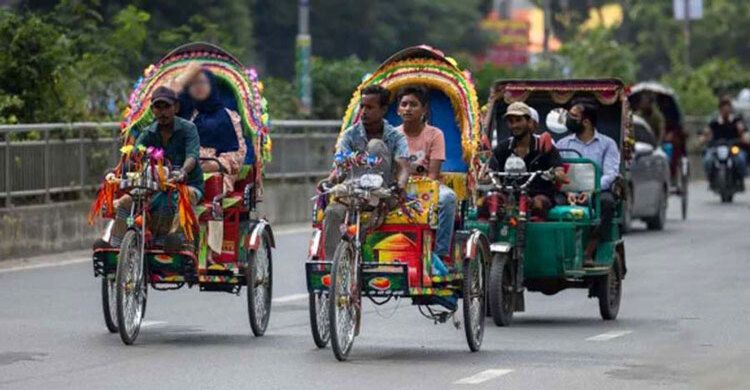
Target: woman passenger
pixel 219 128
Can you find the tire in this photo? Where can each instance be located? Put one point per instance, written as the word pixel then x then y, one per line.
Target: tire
pixel 319 325
pixel 627 218
pixel 131 287
pixel 657 222
pixel 474 298
pixel 609 292
pixel 259 279
pixel 727 198
pixel 684 182
pixel 501 295
pixel 109 304
pixel 343 302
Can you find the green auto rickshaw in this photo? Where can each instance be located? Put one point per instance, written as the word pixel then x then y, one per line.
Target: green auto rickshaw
pixel 547 255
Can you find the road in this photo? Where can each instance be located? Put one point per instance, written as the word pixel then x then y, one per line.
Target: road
pixel 683 324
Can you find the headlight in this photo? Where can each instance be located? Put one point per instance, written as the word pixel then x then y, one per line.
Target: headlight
pixel 735 149
pixel 371 181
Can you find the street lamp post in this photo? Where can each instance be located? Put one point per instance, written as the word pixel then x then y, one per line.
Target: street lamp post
pixel 304 46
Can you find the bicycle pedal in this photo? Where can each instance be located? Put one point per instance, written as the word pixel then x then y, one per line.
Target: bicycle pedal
pixel 456 322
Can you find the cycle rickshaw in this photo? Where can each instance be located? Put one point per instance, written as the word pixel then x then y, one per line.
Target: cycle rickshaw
pixel 241 254
pixel 392 259
pixel 547 255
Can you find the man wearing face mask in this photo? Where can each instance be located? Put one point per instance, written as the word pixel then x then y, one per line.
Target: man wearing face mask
pixel 601 149
pixel 537 151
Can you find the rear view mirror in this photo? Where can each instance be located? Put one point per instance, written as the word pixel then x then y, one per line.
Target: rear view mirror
pixel 643 149
pixel 556 120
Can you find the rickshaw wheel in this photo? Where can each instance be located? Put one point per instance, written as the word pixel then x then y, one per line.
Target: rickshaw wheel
pixel 343 300
pixel 319 325
pixel 501 294
pixel 474 300
pixel 259 278
pixel 131 287
pixel 109 303
pixel 609 292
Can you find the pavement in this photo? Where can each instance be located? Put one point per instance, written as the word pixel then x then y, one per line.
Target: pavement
pixel 683 324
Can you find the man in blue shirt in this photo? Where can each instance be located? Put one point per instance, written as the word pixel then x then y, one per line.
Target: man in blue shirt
pixel 374 135
pixel 603 150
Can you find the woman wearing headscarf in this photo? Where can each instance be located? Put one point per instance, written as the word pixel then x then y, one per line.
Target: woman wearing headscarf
pixel 219 128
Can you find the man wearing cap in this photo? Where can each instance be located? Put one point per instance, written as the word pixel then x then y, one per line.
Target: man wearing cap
pixel 537 151
pixel 179 140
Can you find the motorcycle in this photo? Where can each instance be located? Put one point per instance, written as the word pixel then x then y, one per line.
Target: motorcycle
pixel 724 177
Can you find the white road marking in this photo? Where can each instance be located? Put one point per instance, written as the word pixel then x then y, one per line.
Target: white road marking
pixel 609 335
pixel 45 265
pixel 483 376
pixel 282 232
pixel 290 298
pixel 145 324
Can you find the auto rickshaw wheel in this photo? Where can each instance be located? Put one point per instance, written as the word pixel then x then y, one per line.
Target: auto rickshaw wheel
pixel 343 302
pixel 474 298
pixel 131 287
pixel 259 277
pixel 319 325
pixel 501 290
pixel 109 303
pixel 609 292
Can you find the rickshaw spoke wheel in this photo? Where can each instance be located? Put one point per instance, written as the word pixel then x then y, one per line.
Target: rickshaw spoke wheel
pixel 474 308
pixel 343 305
pixel 321 328
pixel 109 303
pixel 130 283
pixel 259 277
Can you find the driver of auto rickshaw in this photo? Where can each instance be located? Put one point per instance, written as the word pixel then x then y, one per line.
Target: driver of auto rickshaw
pixel 375 136
pixel 538 153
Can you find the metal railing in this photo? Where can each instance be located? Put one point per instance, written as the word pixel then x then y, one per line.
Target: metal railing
pixel 43 162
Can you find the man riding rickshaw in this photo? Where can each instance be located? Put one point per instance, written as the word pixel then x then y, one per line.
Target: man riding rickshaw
pixel 552 211
pixel 388 221
pixel 183 206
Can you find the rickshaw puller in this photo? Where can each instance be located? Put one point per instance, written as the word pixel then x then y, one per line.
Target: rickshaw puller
pixel 179 139
pixel 375 136
pixel 595 146
pixel 538 152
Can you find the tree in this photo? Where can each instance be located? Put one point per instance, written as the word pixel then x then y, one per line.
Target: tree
pixel 598 54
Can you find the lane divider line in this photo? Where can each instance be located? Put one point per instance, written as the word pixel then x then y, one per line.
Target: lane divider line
pixel 483 376
pixel 47 264
pixel 146 324
pixel 289 298
pixel 609 335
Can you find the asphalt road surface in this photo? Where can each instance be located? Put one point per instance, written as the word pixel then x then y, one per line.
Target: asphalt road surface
pixel 684 323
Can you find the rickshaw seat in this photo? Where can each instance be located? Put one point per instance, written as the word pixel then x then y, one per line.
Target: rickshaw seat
pixel 569 213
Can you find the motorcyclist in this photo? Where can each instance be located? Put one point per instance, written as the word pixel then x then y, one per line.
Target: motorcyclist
pixel 726 127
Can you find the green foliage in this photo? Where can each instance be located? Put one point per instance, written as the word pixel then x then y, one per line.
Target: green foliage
pixel 699 89
pixel 282 98
pixel 333 84
pixel 598 54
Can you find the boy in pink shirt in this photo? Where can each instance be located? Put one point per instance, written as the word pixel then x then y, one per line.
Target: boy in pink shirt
pixel 426 155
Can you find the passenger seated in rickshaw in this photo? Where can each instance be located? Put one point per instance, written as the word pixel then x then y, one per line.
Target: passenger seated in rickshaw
pixel 375 136
pixel 603 151
pixel 649 111
pixel 219 127
pixel 426 155
pixel 537 151
pixel 179 140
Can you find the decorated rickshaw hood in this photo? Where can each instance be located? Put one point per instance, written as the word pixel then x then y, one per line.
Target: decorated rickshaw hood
pixel 428 66
pixel 244 83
